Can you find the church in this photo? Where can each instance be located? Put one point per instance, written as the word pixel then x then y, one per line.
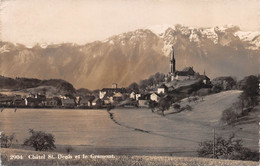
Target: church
pixel 185 74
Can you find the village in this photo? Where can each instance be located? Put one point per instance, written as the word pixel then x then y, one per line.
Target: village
pixel 114 96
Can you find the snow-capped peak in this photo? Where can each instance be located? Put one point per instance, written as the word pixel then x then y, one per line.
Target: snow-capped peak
pixel 159 29
pixel 44 45
pixel 252 37
pixel 4 49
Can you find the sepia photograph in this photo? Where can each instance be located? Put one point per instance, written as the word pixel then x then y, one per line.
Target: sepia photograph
pixel 129 82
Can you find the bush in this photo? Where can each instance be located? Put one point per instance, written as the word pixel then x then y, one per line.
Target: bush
pixel 229 116
pixel 245 154
pixel 176 106
pixel 231 148
pixel 7 141
pixel 195 99
pixel 40 141
pixel 188 107
pixel 216 89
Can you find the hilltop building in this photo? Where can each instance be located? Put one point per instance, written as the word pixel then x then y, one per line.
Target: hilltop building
pixel 172 63
pixel 186 73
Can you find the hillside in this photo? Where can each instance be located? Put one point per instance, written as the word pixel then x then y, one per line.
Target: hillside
pixel 117 160
pixel 31 85
pixel 132 56
pixel 184 130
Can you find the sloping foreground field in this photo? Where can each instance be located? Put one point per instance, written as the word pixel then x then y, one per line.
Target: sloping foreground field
pixel 116 160
pixel 184 130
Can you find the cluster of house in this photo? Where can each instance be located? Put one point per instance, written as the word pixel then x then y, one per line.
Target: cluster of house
pixel 32 100
pixel 114 95
pixel 143 99
pixel 106 97
pixel 15 100
pixel 40 100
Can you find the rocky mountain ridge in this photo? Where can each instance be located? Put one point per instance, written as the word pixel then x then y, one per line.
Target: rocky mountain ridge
pixel 132 56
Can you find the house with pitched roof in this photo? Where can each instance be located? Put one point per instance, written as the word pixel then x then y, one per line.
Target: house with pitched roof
pixel 162 89
pixel 155 97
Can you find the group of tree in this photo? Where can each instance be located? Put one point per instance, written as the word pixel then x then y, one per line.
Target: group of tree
pixel 163 104
pixel 7 140
pixel 133 87
pixel 250 87
pixel 23 83
pixel 39 140
pixel 231 148
pixel 152 80
pixel 247 100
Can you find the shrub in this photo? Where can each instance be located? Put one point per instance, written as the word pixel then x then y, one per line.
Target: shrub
pixel 245 154
pixel 188 107
pixel 229 116
pixel 195 99
pixel 176 106
pixel 231 148
pixel 40 141
pixel 216 89
pixel 7 141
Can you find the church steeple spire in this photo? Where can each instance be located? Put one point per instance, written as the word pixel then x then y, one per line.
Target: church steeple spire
pixel 172 62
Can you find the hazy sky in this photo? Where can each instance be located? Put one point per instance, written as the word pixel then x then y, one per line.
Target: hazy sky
pixel 38 21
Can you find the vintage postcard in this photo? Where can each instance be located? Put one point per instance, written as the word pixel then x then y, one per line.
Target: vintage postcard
pixel 129 82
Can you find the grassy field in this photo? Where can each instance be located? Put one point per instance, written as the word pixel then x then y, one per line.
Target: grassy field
pixel 134 131
pixel 184 130
pixel 114 160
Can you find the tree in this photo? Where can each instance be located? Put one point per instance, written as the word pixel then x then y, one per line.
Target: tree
pixel 143 84
pixel 159 78
pixel 251 90
pixel 6 141
pixel 230 148
pixel 152 105
pixel 40 140
pixel 164 104
pixel 133 87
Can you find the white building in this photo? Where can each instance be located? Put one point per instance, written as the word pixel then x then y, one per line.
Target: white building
pixel 132 95
pixel 155 97
pixel 162 89
pixel 137 96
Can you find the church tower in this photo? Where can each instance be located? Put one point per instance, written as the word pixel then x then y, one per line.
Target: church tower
pixel 172 63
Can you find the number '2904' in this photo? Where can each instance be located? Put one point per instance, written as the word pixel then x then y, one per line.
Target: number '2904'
pixel 16 157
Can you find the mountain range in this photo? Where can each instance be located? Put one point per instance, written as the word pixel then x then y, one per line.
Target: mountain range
pixel 133 56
